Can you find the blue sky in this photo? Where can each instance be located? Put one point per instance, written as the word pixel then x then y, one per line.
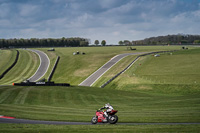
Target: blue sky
pixel 110 20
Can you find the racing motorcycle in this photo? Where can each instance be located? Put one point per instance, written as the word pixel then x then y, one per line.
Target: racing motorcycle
pixel 100 117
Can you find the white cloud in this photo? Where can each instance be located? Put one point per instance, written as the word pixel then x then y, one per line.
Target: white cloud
pixel 112 20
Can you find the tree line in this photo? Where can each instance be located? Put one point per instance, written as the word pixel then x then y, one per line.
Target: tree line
pixel 103 42
pixel 165 40
pixel 46 42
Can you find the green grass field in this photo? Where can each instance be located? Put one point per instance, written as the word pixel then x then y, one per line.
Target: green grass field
pixel 27 128
pixel 80 103
pixel 26 66
pixel 74 69
pixel 7 57
pixel 150 91
pixel 179 68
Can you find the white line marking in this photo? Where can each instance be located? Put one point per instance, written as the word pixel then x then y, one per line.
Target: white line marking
pixel 47 67
pixel 110 67
pixel 98 69
pixel 106 70
pixel 40 64
pixel 131 64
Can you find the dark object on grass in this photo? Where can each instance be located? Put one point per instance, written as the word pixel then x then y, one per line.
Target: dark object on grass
pixel 54 68
pixel 131 48
pixel 184 48
pixel 52 49
pixel 40 84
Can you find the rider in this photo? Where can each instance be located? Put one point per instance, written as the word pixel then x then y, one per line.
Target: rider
pixel 108 107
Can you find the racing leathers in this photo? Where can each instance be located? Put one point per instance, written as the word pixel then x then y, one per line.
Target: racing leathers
pixel 108 108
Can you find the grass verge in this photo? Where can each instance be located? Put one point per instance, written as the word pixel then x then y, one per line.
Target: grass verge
pixel 7 57
pixel 26 66
pixel 178 68
pixel 74 69
pixel 80 103
pixel 24 128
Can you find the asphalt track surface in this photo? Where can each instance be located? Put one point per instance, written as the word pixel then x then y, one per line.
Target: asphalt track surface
pixel 23 121
pixel 96 75
pixel 42 69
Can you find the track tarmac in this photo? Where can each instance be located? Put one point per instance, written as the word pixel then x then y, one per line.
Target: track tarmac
pixel 23 121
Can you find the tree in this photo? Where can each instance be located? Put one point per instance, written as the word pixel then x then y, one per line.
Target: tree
pixel 127 42
pixel 103 43
pixel 83 43
pixel 120 42
pixel 35 42
pixel 196 41
pixel 96 42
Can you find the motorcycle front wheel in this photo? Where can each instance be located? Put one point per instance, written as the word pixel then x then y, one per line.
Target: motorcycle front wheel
pixel 94 120
pixel 113 119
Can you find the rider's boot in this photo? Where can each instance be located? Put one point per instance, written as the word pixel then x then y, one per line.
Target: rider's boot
pixel 106 118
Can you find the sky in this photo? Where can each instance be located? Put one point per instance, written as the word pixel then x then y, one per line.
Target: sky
pixel 110 20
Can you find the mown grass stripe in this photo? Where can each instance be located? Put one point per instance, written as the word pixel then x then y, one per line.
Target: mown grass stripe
pixel 48 111
pixel 43 107
pixel 11 66
pixel 25 67
pixel 5 94
pixel 21 97
pixel 27 61
pixel 34 64
pixel 10 78
pixel 9 56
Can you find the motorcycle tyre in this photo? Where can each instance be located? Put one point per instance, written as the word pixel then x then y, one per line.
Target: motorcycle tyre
pixel 115 121
pixel 94 121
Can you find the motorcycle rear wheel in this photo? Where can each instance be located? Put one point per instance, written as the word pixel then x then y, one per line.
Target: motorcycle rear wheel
pixel 113 119
pixel 94 120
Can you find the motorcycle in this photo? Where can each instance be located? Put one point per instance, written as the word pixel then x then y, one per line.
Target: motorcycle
pixel 100 117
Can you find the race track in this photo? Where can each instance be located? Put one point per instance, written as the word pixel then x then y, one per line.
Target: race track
pixel 96 75
pixel 23 121
pixel 43 67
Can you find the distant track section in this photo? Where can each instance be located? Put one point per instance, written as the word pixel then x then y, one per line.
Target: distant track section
pixel 43 67
pixel 102 86
pixel 96 75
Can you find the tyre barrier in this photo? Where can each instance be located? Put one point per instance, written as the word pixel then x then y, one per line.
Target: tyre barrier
pixel 40 84
pixel 110 80
pixel 54 68
pixel 7 70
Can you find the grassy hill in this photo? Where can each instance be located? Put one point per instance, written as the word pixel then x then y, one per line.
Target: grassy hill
pixel 75 68
pixel 26 66
pixel 7 57
pixel 177 68
pixel 144 93
pixel 80 104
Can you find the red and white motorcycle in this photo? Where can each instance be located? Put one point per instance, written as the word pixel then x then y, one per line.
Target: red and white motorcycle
pixel 100 117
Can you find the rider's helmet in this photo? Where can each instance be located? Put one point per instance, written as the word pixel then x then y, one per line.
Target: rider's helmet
pixel 107 104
